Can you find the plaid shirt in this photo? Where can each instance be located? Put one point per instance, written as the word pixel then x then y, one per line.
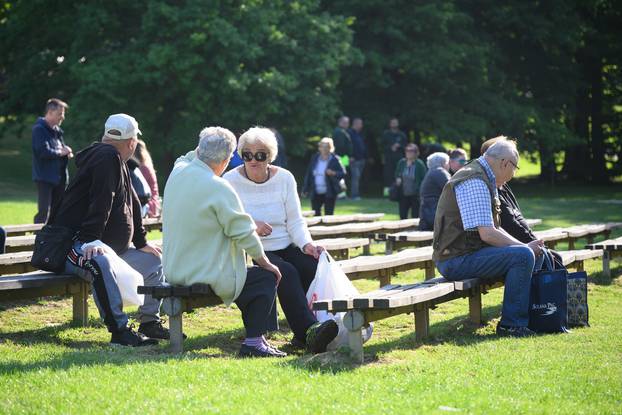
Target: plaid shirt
pixel 473 199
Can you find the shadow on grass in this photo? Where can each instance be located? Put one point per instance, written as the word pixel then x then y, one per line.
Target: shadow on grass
pixel 458 331
pixel 599 278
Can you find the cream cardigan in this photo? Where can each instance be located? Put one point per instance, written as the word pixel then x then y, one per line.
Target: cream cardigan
pixel 205 230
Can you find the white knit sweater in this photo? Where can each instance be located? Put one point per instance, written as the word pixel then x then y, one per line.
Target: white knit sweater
pixel 275 202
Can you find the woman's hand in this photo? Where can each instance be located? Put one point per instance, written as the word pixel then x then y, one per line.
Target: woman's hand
pixel 398 181
pixel 265 263
pixel 152 249
pixel 263 228
pixel 330 172
pixel 313 250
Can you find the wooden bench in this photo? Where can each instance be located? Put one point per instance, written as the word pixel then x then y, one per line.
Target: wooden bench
pixel 150 224
pixel 396 241
pixel 42 284
pixel 340 247
pixel 361 230
pixel 177 300
pixel 384 267
pixel 418 298
pixel 611 248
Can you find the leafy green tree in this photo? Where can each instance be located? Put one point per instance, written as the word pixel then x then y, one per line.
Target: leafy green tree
pixel 177 66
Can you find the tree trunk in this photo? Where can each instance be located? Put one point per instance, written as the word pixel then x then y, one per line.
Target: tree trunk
pixel 577 158
pixel 547 164
pixel 598 165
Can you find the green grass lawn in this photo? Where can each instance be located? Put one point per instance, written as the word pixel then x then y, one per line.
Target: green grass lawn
pixel 47 365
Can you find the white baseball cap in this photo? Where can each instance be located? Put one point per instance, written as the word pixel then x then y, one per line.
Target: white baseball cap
pixel 121 127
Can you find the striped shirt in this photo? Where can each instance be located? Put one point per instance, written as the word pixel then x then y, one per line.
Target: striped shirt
pixel 473 199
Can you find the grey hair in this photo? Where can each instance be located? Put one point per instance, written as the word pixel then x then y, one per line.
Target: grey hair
pixel 329 141
pixel 437 159
pixel 216 144
pixel 502 149
pixel 262 135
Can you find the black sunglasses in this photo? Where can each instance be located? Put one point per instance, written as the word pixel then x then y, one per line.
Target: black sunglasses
pixel 462 162
pixel 259 156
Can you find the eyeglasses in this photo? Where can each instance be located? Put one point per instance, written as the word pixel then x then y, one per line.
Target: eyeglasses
pixel 461 162
pixel 513 164
pixel 259 156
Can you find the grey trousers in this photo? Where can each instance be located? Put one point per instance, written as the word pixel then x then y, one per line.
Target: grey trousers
pixel 100 272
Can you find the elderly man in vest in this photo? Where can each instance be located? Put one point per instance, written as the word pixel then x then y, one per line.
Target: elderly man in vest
pixel 469 243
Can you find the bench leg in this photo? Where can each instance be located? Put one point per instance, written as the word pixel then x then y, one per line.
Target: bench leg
pixel 388 247
pixel 580 266
pixel 422 321
pixel 385 277
pixel 475 306
pixel 366 249
pixel 606 263
pixel 173 307
pixel 80 304
pixel 430 269
pixel 175 328
pixel 571 242
pixel 353 321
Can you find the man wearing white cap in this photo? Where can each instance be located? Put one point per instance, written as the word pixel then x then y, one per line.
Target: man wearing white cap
pixel 103 210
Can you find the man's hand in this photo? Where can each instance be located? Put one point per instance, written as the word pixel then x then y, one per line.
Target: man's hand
pixel 395 146
pixel 263 228
pixel 265 263
pixel 150 249
pixel 93 251
pixel 330 172
pixel 536 246
pixel 313 250
pixel 398 181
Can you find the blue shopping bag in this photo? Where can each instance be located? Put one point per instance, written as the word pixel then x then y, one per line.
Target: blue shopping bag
pixel 549 299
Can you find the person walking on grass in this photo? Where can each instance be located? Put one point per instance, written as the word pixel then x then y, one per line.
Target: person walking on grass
pixel 393 142
pixel 359 155
pixel 409 174
pixel 469 242
pixel 50 156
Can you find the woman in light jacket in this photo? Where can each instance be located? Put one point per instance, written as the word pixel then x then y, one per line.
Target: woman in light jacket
pixel 322 178
pixel 270 196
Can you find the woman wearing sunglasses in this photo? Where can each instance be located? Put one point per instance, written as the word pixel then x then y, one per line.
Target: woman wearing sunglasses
pixel 269 195
pixel 322 178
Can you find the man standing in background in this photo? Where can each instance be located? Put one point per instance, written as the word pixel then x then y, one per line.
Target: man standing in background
pixel 50 156
pixel 343 148
pixel 359 154
pixel 457 160
pixel 393 142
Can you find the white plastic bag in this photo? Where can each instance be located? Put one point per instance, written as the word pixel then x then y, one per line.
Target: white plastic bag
pixel 330 283
pixel 127 278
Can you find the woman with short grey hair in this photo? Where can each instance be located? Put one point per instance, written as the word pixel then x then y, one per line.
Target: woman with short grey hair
pixel 431 188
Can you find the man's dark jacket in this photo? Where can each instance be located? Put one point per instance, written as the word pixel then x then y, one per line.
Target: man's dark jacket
pixel 48 165
pixel 513 222
pixel 100 203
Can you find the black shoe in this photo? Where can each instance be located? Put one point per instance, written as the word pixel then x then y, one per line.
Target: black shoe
pixel 250 351
pixel 156 330
pixel 297 344
pixel 320 334
pixel 129 337
pixel 514 331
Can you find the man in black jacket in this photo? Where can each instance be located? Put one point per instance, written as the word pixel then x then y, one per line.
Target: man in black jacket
pixel 103 209
pixel 511 217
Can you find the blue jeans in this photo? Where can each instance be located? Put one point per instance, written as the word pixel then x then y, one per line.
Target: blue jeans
pixel 515 263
